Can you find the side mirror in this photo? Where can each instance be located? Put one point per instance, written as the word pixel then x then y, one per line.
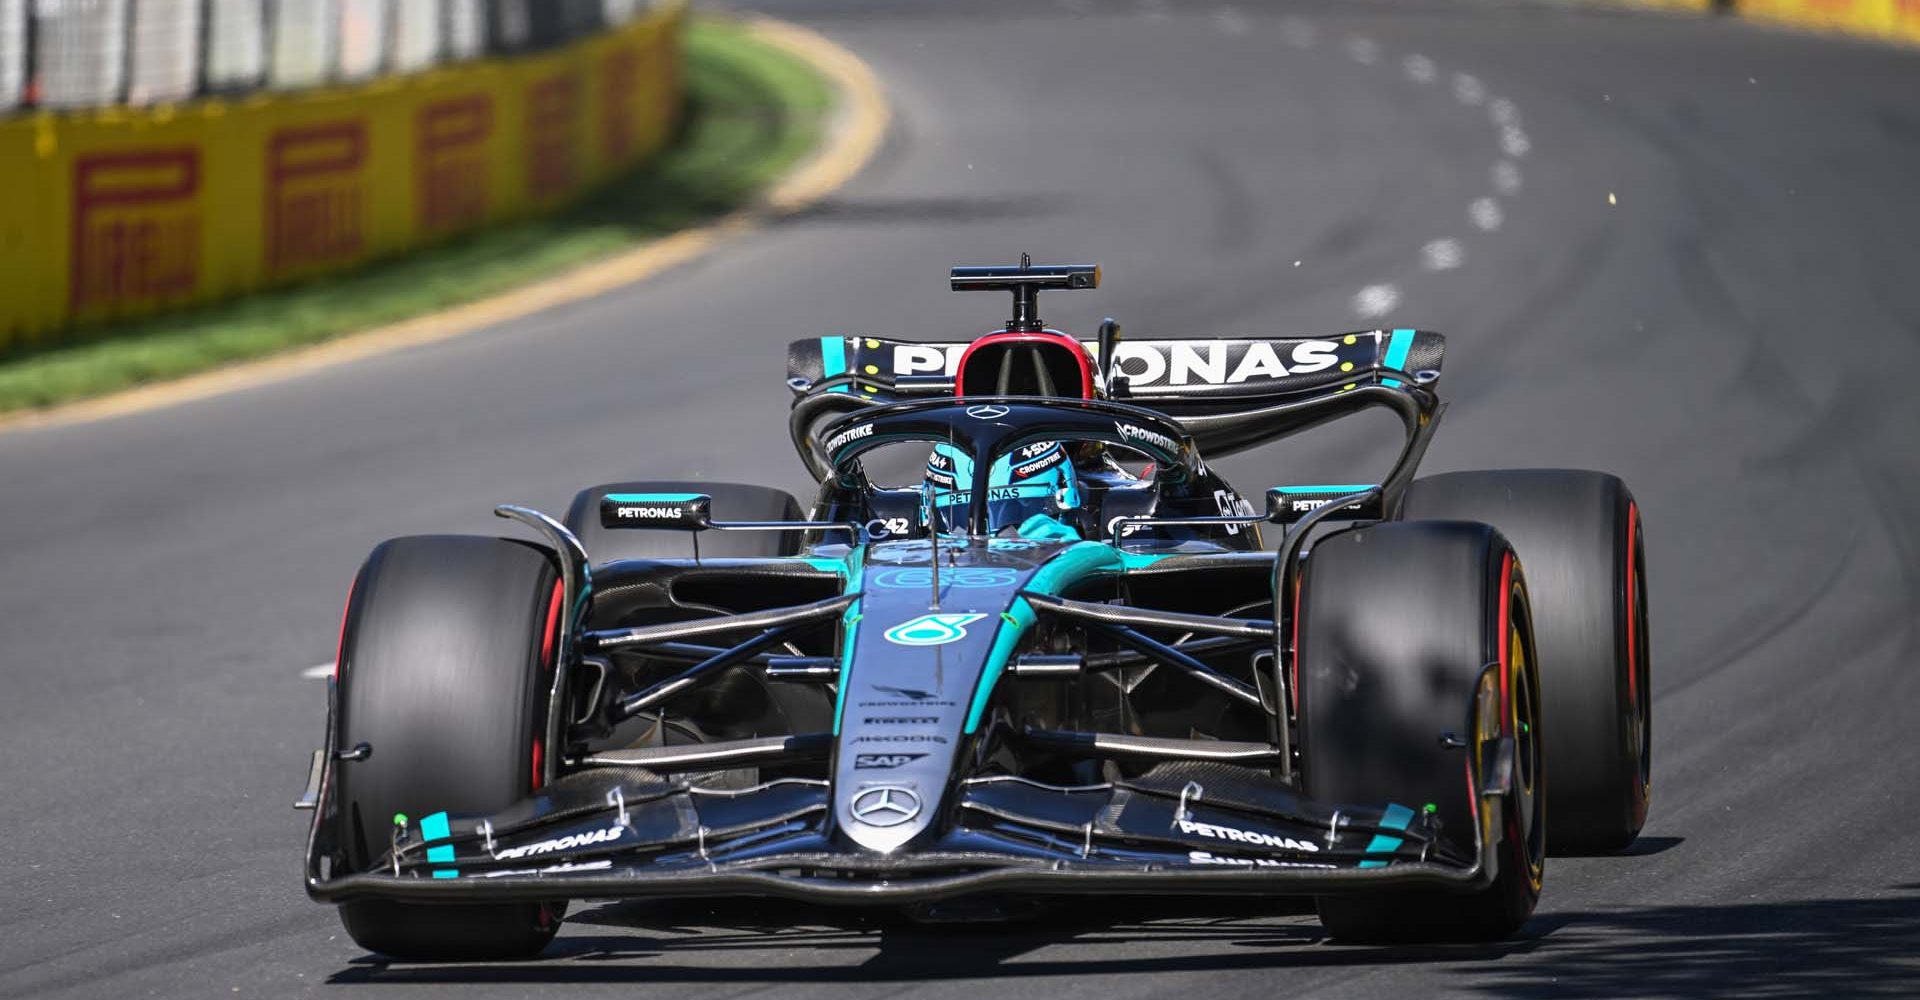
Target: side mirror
pixel 668 511
pixel 1287 504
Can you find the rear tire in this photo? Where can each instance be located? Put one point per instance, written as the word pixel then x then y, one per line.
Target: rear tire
pixel 443 672
pixel 1395 624
pixel 1579 535
pixel 731 502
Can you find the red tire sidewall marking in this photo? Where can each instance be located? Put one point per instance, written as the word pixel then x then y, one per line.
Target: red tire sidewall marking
pixel 549 913
pixel 553 627
pixel 340 647
pixel 548 635
pixel 1506 624
pixel 1514 831
pixel 1633 610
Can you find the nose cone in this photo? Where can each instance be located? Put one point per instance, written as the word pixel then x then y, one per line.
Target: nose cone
pixel 916 666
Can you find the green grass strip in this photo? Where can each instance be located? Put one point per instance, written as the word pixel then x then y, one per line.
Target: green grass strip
pixel 752 112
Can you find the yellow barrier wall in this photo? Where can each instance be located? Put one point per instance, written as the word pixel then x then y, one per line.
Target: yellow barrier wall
pixel 1888 20
pixel 1885 20
pixel 126 212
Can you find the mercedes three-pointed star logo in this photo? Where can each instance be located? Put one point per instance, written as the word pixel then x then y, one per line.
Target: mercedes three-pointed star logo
pixel 887 805
pixel 987 411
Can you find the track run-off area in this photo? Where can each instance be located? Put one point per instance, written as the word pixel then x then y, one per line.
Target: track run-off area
pixel 1676 249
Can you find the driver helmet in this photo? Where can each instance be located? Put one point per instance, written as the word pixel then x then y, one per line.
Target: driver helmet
pixel 1032 486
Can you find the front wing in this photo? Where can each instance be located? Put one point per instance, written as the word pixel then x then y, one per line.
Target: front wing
pixel 1180 829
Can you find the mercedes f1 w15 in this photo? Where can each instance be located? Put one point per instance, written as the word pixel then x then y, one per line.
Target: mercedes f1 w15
pixel 1054 657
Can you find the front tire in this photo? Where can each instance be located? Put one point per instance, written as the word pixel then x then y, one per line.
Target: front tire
pixel 443 673
pixel 1579 535
pixel 1395 624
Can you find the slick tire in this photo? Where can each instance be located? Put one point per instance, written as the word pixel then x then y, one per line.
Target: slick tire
pixel 1578 533
pixel 731 502
pixel 444 658
pixel 1394 627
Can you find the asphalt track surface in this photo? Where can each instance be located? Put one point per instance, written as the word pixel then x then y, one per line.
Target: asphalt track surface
pixel 1736 333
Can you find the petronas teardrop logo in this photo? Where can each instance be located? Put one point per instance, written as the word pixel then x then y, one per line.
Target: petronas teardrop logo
pixel 931 630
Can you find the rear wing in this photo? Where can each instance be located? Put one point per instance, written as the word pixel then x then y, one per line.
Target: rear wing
pixel 1230 394
pixel 1169 375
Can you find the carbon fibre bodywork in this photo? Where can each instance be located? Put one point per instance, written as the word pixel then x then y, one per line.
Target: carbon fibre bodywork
pixel 957 739
pixel 914 715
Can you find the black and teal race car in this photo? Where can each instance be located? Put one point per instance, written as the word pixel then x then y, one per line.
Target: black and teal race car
pixel 1023 642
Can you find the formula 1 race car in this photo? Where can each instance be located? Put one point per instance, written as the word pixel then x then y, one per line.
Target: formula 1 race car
pixel 1054 656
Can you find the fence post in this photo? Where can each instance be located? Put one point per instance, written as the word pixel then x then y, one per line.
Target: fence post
pixel 200 83
pixel 126 52
pixel 29 62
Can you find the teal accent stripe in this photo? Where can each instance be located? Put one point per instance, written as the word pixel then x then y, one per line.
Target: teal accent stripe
pixel 435 827
pixel 833 359
pixel 1348 488
pixel 1072 564
pixel 652 497
pixel 1141 560
pixel 1004 641
pixel 1397 349
pixel 1396 818
pixel 849 620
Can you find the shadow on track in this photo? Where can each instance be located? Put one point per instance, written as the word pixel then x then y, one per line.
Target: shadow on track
pixel 1835 948
pixel 1864 948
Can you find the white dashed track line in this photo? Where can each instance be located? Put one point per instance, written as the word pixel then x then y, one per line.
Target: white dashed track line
pixel 318 672
pixel 1442 255
pixel 1514 141
pixel 1468 90
pixel 1377 300
pixel 1486 214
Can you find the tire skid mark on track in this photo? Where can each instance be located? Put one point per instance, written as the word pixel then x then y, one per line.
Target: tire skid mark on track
pixel 1737 640
pixel 78 969
pixel 1841 416
pixel 1779 781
